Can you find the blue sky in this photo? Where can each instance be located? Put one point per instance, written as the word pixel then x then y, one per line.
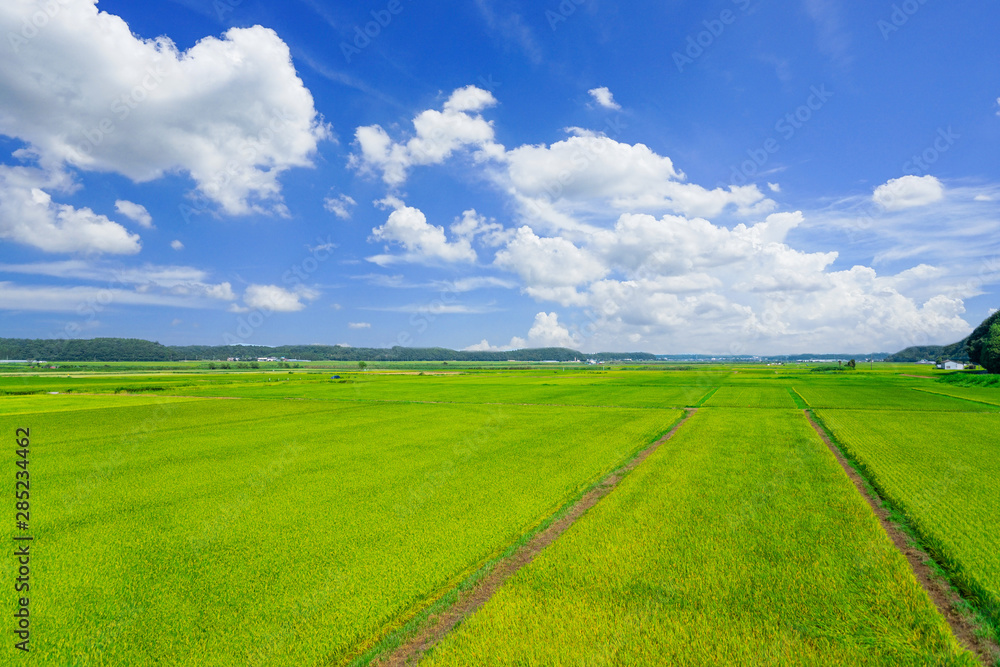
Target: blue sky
pixel 726 177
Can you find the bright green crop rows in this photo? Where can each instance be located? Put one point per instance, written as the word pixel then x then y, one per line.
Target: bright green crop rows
pixel 307 517
pixel 751 397
pixel 943 471
pixel 634 389
pixel 221 532
pixel 14 405
pixel 639 390
pixel 739 542
pixel 989 395
pixel 886 398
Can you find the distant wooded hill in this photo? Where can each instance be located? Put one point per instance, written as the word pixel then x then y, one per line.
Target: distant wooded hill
pixel 134 349
pixel 959 351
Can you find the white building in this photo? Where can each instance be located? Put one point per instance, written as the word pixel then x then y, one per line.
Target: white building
pixel 951 366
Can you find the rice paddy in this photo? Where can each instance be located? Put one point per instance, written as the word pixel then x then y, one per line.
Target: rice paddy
pixel 310 517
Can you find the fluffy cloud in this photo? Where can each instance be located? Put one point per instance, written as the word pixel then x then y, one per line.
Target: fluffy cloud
pixel 908 192
pixel 28 215
pixel 604 98
pixel 86 92
pixel 545 332
pixel 437 136
pixel 422 241
pixel 550 268
pixel 271 298
pixel 135 212
pixel 473 226
pixel 177 245
pixel 680 284
pixel 573 175
pixel 617 232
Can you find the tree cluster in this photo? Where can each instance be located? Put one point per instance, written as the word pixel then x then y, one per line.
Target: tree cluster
pixel 984 344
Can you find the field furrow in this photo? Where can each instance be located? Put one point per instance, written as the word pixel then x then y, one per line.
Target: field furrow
pixel 741 541
pixel 285 532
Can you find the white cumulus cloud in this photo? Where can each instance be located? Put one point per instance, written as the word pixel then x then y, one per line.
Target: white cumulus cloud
pixel 272 298
pixel 546 331
pixel 908 192
pixel 604 98
pixel 29 215
pixel 135 212
pixel 422 241
pixel 88 93
pixel 589 169
pixel 437 136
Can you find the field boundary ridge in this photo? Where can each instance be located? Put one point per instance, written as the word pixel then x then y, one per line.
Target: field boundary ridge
pixel 468 600
pixel 977 635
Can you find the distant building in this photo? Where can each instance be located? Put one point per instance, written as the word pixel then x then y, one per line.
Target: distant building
pixel 925 362
pixel 951 366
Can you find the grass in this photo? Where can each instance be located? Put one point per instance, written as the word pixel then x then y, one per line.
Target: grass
pixel 942 471
pixel 313 520
pixel 284 532
pixel 751 397
pixel 886 397
pixel 738 542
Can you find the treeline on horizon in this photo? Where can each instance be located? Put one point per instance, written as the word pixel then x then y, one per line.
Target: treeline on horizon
pixel 135 349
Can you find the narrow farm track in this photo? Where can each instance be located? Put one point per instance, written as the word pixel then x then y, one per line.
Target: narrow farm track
pixel 411 652
pixel 938 590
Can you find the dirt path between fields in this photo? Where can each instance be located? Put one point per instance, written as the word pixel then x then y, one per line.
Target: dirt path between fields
pixel 469 601
pixel 939 591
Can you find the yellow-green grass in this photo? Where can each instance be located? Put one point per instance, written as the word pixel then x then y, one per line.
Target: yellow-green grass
pixel 42 403
pixel 943 472
pixel 874 396
pixel 739 542
pixel 214 532
pixel 989 395
pixel 751 397
pixel 636 389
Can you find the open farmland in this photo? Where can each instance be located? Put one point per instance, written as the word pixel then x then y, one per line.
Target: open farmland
pixel 738 542
pixel 750 397
pixel 270 518
pixel 890 398
pixel 286 532
pixel 943 472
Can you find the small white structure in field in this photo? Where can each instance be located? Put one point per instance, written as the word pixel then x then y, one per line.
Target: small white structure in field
pixel 951 366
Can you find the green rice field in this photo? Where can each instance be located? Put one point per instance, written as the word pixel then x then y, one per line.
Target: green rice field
pixel 316 516
pixel 794 569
